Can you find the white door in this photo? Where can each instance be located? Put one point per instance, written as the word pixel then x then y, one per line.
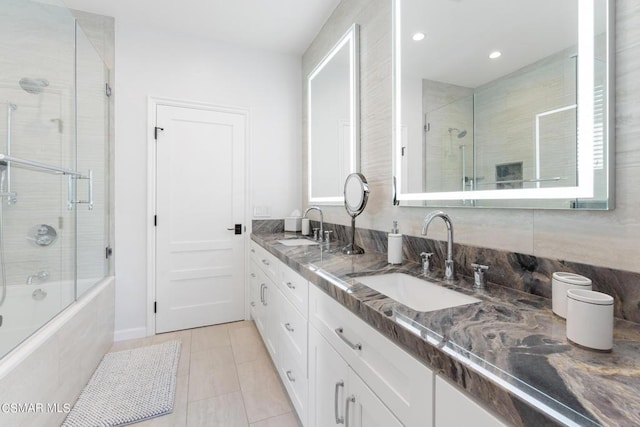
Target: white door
pixel 200 172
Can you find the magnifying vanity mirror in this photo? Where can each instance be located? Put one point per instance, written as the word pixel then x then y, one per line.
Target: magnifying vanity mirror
pixel 333 120
pixel 356 194
pixel 504 104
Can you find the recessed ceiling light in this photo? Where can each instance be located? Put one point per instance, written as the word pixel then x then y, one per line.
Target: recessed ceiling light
pixel 495 54
pixel 418 36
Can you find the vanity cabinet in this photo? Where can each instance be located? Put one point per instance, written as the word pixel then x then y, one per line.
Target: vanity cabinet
pixel 337 395
pixel 278 299
pixel 453 407
pixel 402 384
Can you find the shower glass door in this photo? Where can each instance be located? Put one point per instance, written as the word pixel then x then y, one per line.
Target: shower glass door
pixel 44 170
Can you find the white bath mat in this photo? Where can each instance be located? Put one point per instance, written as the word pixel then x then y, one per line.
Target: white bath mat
pixel 128 386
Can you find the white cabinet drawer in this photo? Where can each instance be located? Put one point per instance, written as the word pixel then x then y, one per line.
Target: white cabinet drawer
pixel 295 288
pixel 455 408
pixel 293 329
pixel 403 383
pixel 265 260
pixel 294 377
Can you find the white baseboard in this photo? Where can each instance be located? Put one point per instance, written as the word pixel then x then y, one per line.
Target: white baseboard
pixel 129 334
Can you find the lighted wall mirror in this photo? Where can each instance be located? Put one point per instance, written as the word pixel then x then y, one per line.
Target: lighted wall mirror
pixel 334 120
pixel 504 104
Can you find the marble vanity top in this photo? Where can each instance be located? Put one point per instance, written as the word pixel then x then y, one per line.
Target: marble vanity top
pixel 509 350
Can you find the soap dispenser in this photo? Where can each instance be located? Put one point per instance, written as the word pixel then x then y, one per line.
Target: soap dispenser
pixel 394 245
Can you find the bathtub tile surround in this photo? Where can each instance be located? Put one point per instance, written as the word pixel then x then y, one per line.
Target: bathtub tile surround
pixel 515 332
pixel 55 363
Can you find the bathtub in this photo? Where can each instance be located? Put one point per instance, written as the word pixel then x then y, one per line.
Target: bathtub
pixel 27 308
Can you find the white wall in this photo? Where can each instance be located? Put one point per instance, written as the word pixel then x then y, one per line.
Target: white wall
pixel 153 63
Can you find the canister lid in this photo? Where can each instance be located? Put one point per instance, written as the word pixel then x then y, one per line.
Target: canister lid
pixel 572 278
pixel 590 297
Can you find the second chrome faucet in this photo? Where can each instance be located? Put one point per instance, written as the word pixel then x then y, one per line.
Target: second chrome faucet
pixel 449 271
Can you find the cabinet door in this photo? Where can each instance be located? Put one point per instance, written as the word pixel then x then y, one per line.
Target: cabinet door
pixel 271 314
pixel 328 376
pixel 454 408
pixel 364 409
pixel 254 288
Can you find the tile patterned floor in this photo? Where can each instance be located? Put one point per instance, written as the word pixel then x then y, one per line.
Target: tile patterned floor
pixel 225 379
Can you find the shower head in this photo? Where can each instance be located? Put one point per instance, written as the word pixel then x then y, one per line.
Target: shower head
pixel 459 133
pixel 33 86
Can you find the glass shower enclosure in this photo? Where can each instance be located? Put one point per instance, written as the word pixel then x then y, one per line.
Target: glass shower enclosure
pixel 54 166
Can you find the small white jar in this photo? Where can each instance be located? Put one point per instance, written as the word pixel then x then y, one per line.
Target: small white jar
pixel 561 282
pixel 590 319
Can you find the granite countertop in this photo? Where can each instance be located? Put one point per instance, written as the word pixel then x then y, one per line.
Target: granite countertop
pixel 509 350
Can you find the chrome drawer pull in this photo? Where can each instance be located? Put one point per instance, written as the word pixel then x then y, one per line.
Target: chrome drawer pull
pixel 290 376
pixel 339 419
pixel 253 304
pixel 290 285
pixel 288 327
pixel 265 262
pixel 253 274
pixel 350 399
pixel 340 333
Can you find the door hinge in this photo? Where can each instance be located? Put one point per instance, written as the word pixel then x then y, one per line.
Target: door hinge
pixel 155 132
pixel 155 220
pixel 108 252
pixel 155 306
pixel 107 89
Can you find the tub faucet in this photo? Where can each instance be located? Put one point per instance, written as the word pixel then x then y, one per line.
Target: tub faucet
pixel 449 272
pixel 316 208
pixel 40 275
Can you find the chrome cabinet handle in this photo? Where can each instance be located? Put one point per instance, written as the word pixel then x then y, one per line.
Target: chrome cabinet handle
pixel 253 274
pixel 340 333
pixel 265 262
pixel 290 376
pixel 288 327
pixel 290 285
pixel 262 286
pixel 339 419
pixel 264 298
pixel 253 250
pixel 253 304
pixel 350 399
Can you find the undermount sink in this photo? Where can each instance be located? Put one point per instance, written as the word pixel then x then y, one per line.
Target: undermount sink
pixel 297 242
pixel 415 293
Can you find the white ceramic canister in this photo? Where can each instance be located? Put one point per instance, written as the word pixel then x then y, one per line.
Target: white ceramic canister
pixel 394 249
pixel 561 282
pixel 590 319
pixel 306 227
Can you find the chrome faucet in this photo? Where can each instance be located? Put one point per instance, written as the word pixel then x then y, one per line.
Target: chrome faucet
pixel 311 208
pixel 449 272
pixel 40 275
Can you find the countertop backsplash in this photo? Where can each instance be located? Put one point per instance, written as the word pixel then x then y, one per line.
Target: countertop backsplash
pixel 523 272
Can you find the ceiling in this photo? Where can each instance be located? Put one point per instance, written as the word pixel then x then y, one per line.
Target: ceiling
pixel 286 26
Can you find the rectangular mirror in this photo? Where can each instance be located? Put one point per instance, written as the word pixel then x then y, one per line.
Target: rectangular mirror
pixel 333 120
pixel 504 104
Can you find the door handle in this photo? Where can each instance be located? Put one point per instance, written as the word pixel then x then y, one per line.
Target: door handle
pixel 290 286
pixel 339 419
pixel 290 376
pixel 340 333
pixel 350 399
pixel 237 229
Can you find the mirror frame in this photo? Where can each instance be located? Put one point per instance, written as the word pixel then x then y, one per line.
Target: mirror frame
pixel 351 39
pixel 584 190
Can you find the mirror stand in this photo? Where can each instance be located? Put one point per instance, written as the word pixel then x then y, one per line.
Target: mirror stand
pixel 356 194
pixel 352 248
